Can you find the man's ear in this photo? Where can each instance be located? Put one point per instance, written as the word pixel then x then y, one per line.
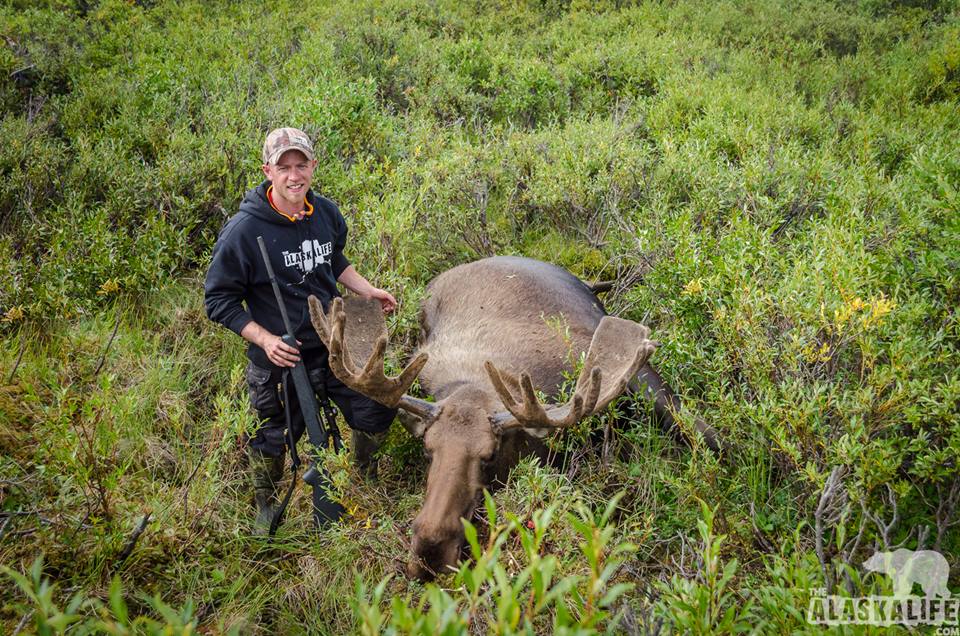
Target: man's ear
pixel 266 170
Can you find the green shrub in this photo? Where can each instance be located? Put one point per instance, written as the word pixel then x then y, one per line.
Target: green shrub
pixel 774 187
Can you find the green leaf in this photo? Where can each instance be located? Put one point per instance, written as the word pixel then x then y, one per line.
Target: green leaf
pixel 615 592
pixel 470 531
pixel 491 508
pixel 117 603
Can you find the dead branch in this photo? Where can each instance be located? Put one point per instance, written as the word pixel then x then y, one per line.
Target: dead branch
pixel 607 442
pixel 923 533
pixel 946 511
pixel 884 528
pixel 103 356
pixel 16 364
pixel 849 551
pixel 759 536
pixel 132 542
pixel 602 286
pixel 21 70
pixel 22 623
pixel 186 488
pixel 827 514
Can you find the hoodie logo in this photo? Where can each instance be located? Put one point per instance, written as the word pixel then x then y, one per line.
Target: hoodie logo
pixel 311 255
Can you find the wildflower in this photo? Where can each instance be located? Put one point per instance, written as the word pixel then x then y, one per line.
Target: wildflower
pixel 109 286
pixel 877 311
pixel 14 314
pixel 812 353
pixel 693 288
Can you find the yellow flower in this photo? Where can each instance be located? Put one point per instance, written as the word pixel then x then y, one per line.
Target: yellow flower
pixel 693 288
pixel 877 311
pixel 14 314
pixel 109 286
pixel 812 353
pixel 823 354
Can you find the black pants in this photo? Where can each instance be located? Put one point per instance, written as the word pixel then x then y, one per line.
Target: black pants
pixel 266 396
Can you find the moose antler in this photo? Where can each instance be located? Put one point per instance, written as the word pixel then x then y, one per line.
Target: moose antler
pixel 618 349
pixel 371 380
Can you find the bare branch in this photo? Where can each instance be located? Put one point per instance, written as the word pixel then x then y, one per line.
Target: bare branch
pixel 885 528
pixel 826 515
pixel 946 511
pixel 22 623
pixel 849 552
pixel 16 364
pixel 103 356
pixel 131 544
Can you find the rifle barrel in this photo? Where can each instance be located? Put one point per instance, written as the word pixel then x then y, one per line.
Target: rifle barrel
pixel 276 288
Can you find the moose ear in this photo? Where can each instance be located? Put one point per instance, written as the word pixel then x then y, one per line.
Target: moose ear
pixel 417 415
pixel 414 424
pixel 502 419
pixel 538 432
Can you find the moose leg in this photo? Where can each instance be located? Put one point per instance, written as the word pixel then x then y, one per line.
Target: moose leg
pixel 665 403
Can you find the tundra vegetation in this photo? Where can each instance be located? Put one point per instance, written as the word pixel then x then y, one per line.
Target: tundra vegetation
pixel 773 185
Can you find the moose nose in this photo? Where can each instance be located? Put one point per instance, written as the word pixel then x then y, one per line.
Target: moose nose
pixel 435 546
pixel 431 558
pixel 432 532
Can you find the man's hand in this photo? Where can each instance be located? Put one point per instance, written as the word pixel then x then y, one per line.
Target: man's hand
pixel 359 285
pixel 387 302
pixel 279 353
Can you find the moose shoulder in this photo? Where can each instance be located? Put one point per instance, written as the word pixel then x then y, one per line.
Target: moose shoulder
pixel 493 333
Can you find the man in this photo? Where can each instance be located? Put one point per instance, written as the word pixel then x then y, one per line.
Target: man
pixel 305 235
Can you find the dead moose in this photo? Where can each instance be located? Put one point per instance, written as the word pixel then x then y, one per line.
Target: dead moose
pixel 493 333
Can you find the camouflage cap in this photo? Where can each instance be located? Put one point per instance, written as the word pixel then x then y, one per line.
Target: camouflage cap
pixel 283 139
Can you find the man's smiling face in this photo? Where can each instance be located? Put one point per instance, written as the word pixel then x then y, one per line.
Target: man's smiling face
pixel 291 176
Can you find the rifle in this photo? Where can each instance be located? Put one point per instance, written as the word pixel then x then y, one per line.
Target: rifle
pixel 320 435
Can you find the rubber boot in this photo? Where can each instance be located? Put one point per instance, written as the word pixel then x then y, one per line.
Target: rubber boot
pixel 265 473
pixel 365 446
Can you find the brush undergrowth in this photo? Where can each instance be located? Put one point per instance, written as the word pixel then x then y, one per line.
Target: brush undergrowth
pixel 773 185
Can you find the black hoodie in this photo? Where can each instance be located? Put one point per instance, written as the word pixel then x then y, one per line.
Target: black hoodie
pixel 307 258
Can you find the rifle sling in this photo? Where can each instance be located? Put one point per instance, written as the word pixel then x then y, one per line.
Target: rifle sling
pixel 324 431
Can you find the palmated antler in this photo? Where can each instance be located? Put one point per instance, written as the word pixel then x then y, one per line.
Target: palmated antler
pixel 370 380
pixel 618 349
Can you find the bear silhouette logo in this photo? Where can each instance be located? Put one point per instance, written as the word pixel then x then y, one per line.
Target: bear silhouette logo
pixel 906 567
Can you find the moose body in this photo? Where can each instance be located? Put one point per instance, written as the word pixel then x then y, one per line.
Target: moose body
pixel 492 332
pixel 519 313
